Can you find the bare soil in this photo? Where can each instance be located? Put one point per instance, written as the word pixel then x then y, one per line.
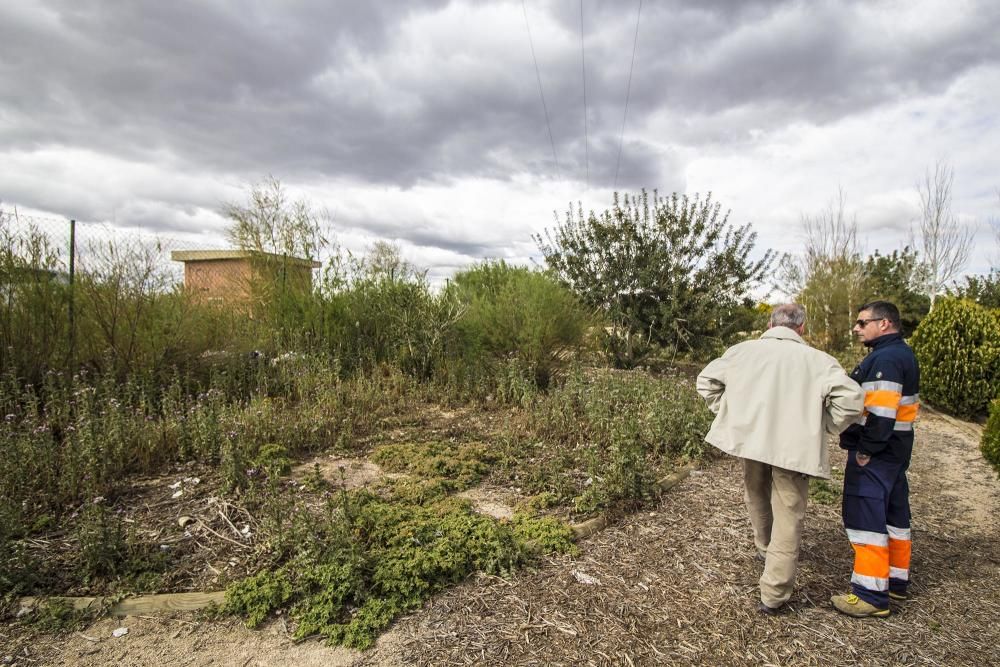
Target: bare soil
pixel 674 584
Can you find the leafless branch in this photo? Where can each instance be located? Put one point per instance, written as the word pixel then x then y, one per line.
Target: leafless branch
pixel 944 242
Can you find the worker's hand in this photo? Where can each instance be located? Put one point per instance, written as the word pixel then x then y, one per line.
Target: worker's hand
pixel 862 459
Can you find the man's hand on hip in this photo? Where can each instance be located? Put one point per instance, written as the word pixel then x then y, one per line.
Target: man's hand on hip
pixel 862 459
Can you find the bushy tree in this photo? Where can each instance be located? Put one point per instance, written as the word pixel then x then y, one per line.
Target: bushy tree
pixel 668 271
pixel 828 277
pixel 896 278
pixel 280 234
pixel 272 223
pixel 984 290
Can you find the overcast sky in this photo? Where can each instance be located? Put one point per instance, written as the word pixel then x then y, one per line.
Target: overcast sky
pixel 422 123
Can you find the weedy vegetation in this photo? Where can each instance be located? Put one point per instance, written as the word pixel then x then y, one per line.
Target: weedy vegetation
pixel 147 380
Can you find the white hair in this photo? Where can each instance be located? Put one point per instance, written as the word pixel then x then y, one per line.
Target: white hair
pixel 791 315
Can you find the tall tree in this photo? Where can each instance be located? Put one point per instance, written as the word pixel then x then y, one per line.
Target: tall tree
pixel 943 241
pixel 279 233
pixel 669 271
pixel 828 277
pixel 896 278
pixel 269 222
pixel 984 289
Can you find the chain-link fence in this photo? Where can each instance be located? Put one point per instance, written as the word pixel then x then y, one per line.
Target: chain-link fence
pixel 66 246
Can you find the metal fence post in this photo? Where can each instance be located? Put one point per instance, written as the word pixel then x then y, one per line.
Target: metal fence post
pixel 72 299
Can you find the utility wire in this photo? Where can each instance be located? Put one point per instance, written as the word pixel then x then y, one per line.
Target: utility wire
pixel 586 131
pixel 541 93
pixel 628 90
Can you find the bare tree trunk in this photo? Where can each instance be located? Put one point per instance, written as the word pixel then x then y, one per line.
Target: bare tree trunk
pixel 944 242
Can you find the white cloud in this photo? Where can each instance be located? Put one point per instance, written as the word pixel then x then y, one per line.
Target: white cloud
pixel 877 157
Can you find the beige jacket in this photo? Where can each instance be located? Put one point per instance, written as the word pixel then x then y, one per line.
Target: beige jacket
pixel 776 398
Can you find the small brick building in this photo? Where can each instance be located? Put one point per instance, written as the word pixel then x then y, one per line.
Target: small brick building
pixel 239 275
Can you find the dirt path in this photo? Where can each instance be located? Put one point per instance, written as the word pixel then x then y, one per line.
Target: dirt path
pixel 674 585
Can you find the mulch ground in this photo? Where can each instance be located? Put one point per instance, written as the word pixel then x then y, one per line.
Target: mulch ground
pixel 678 585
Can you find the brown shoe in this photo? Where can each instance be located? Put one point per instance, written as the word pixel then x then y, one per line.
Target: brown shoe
pixel 852 605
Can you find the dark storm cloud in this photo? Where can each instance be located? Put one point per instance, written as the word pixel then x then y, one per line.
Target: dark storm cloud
pixel 816 61
pixel 321 89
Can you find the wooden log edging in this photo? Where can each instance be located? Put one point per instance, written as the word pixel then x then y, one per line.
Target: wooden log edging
pixel 174 602
pixel 142 605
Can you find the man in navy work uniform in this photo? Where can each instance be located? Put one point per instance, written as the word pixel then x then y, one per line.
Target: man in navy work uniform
pixel 876 506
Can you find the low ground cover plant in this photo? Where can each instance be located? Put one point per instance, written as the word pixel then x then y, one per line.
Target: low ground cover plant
pixel 371 556
pixel 597 439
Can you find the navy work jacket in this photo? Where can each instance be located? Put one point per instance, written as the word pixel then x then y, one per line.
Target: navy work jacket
pixel 890 378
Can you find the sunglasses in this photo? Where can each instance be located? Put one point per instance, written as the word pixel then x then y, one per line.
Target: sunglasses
pixel 864 323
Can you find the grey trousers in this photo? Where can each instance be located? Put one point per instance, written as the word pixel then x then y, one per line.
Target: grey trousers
pixel 776 499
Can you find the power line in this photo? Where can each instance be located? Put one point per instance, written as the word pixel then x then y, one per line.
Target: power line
pixel 628 90
pixel 586 131
pixel 541 93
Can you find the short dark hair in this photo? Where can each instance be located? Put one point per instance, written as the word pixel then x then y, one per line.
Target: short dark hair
pixel 884 310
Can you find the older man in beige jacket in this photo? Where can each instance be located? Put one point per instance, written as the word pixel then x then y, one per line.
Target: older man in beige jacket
pixel 775 400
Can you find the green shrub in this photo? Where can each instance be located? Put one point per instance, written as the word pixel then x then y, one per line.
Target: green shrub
pixel 520 314
pixel 59 616
pixel 990 445
pixel 109 554
pixel 20 570
pixel 379 310
pixel 103 547
pixel 958 347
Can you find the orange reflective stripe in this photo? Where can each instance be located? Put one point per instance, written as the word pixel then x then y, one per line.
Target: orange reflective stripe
pixel 871 561
pixel 883 398
pixel 899 553
pixel 907 413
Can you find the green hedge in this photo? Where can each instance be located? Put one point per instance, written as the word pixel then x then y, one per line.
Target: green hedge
pixel 958 347
pixel 990 444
